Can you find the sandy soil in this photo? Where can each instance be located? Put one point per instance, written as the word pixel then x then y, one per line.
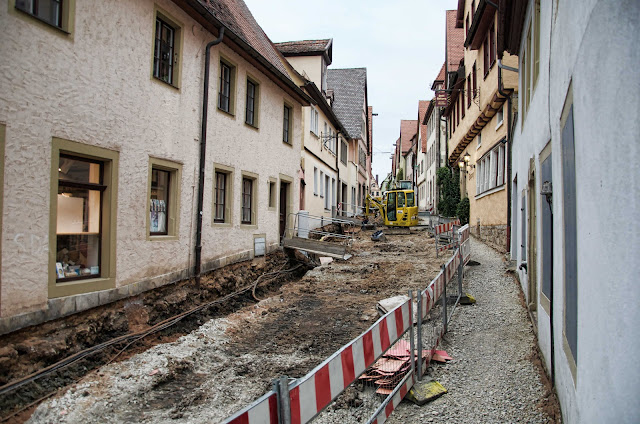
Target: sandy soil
pixel 230 361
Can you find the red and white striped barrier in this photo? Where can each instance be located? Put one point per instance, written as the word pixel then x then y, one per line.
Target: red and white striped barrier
pixel 311 394
pixel 262 411
pixel 447 226
pixel 393 400
pixel 463 236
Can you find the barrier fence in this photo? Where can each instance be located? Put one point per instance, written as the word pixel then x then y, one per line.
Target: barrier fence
pixel 381 358
pixel 446 235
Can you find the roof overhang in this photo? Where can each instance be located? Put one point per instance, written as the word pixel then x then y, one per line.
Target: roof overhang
pixel 327 53
pixel 510 25
pixel 460 14
pixel 425 120
pixel 481 121
pixel 482 19
pixel 198 12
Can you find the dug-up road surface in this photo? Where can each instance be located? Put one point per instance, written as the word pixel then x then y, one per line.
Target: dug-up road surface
pixel 227 363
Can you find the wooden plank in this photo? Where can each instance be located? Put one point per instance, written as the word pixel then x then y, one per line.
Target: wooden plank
pixel 321 248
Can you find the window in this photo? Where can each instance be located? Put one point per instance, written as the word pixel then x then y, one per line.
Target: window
pixel 314 120
pixel 362 157
pixel 569 206
pixel 479 137
pixel 315 181
pixel 163 51
pixel 286 125
pixel 247 201
pixel 475 83
pixel 530 57
pixel 222 194
pixel 56 13
pixel 321 182
pixel 343 152
pixel 82 195
pixel 79 205
pixel 272 194
pixel 468 93
pixel 220 197
pixel 164 197
pixel 226 98
pixel 499 117
pixel 159 210
pixel 327 191
pixel 251 109
pixel 490 170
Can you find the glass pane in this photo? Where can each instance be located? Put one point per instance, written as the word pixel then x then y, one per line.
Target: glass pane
pixel 159 201
pixel 79 170
pixel 410 200
pixel 400 200
pixel 78 232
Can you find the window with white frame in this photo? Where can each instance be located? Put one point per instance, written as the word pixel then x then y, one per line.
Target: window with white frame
pixel 530 57
pixel 490 170
pixel 315 181
pixel 479 139
pixel 314 120
pixel 327 191
pixel 499 117
pixel 321 186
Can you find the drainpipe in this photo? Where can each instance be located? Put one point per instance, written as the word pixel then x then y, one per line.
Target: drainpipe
pixel 203 150
pixel 508 145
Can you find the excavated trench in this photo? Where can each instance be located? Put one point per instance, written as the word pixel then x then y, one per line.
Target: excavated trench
pixel 31 349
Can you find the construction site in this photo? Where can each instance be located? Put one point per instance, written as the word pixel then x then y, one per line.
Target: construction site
pixel 202 353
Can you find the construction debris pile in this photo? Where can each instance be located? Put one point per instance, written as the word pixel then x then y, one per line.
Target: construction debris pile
pixel 391 368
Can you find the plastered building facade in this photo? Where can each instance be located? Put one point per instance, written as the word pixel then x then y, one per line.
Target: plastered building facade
pixel 86 91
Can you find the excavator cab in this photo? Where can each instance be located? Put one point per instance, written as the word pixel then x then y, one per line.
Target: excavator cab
pixel 399 208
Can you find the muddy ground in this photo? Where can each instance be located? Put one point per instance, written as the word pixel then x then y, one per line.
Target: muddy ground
pixel 241 347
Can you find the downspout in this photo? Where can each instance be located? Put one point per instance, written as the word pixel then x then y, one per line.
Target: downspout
pixel 203 150
pixel 508 145
pixel 338 183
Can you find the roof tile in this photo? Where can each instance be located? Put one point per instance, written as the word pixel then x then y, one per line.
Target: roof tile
pixel 455 42
pixel 408 130
pixel 349 88
pixel 423 105
pixel 303 46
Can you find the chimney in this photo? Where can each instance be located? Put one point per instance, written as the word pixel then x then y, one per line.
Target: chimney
pixel 377 179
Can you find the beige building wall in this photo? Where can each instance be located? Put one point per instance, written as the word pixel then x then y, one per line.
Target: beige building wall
pixel 94 87
pixel 308 66
pixel 489 208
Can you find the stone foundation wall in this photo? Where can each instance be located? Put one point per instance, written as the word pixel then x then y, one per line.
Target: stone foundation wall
pixel 494 236
pixel 62 306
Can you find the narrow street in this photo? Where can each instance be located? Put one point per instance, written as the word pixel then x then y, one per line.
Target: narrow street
pixel 228 362
pixel 495 375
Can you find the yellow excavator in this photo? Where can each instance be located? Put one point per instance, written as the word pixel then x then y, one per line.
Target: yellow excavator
pixel 397 208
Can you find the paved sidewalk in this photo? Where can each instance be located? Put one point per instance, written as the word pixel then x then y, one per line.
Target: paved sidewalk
pixel 492 378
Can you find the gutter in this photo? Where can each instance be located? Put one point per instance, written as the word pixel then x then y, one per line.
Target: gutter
pixel 203 151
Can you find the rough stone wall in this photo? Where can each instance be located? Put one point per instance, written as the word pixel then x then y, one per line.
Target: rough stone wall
pixel 492 235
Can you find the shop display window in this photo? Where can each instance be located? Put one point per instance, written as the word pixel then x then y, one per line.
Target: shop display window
pixel 79 218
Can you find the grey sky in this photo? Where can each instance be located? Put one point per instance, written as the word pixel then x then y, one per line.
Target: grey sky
pixel 401 43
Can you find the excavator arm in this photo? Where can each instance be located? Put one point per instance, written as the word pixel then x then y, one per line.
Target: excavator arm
pixel 371 202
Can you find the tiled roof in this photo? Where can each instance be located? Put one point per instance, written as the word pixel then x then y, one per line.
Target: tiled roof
pixel 235 15
pixel 349 88
pixel 423 105
pixel 455 42
pixel 303 46
pixel 408 130
pixel 440 77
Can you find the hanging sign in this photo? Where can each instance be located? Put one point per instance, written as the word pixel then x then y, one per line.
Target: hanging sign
pixel 442 99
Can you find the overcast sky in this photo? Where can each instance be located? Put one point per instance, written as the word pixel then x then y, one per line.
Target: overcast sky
pixel 401 43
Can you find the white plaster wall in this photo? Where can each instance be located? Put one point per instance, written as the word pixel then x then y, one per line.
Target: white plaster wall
pixel 96 89
pixel 311 66
pixel 592 48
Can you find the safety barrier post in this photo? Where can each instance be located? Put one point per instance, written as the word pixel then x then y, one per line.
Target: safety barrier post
pixel 419 330
pixel 460 271
pixel 411 341
pixel 281 387
pixel 444 299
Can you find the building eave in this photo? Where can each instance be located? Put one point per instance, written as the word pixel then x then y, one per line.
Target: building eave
pixel 481 121
pixel 481 22
pixel 204 16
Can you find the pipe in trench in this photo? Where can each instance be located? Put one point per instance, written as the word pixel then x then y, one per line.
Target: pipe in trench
pixel 203 151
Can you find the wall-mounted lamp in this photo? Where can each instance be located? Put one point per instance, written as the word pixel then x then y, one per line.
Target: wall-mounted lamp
pixel 467 159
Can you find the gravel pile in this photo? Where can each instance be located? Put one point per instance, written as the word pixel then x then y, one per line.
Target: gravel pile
pixel 492 378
